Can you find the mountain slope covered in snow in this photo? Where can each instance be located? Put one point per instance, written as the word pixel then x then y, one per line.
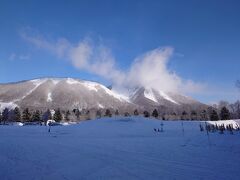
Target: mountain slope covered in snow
pixel 69 93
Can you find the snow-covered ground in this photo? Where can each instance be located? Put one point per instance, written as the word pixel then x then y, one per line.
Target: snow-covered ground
pixel 122 148
pixel 234 123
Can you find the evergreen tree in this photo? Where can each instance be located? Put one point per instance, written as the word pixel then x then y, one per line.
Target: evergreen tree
pixel 5 115
pixel 77 113
pixel 214 116
pixel 17 114
pixel 108 113
pixel 135 112
pixel 46 116
pixel 193 115
pixel 184 115
pixel 0 117
pixel 26 116
pixel 146 114
pixel 67 114
pixel 155 113
pixel 126 114
pixel 116 113
pixel 204 115
pixel 57 115
pixel 98 114
pixel 11 115
pixel 36 116
pixel 224 114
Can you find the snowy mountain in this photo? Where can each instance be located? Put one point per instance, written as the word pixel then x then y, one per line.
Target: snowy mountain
pixel 149 98
pixel 69 93
pixel 64 93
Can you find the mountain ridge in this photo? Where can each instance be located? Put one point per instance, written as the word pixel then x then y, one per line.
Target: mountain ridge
pixel 70 93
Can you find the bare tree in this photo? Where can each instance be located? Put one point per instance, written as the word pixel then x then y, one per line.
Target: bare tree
pixel 222 104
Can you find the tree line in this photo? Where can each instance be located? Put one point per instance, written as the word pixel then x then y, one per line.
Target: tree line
pixel 16 115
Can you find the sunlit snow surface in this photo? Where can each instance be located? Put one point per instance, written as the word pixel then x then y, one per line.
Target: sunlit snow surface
pixel 9 105
pixel 118 148
pixel 148 93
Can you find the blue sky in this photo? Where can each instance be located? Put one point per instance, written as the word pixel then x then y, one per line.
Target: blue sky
pixel 205 36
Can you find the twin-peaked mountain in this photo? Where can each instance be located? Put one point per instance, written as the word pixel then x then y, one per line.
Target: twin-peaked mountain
pixel 69 93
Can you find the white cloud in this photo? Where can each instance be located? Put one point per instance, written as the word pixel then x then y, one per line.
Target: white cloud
pixel 148 70
pixel 24 57
pixel 12 57
pixel 15 56
pixel 59 47
pixel 151 70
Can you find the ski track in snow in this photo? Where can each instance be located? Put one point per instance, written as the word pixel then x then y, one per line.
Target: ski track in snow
pixel 122 148
pixel 37 83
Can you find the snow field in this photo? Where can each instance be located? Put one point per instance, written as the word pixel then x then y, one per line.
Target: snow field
pixel 118 148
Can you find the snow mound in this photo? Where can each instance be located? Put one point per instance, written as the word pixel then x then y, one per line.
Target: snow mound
pixel 225 123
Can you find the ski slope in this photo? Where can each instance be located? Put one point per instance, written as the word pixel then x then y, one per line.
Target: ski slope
pixel 118 148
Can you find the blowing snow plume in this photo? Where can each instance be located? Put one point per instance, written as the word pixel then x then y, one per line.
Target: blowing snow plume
pixel 149 70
